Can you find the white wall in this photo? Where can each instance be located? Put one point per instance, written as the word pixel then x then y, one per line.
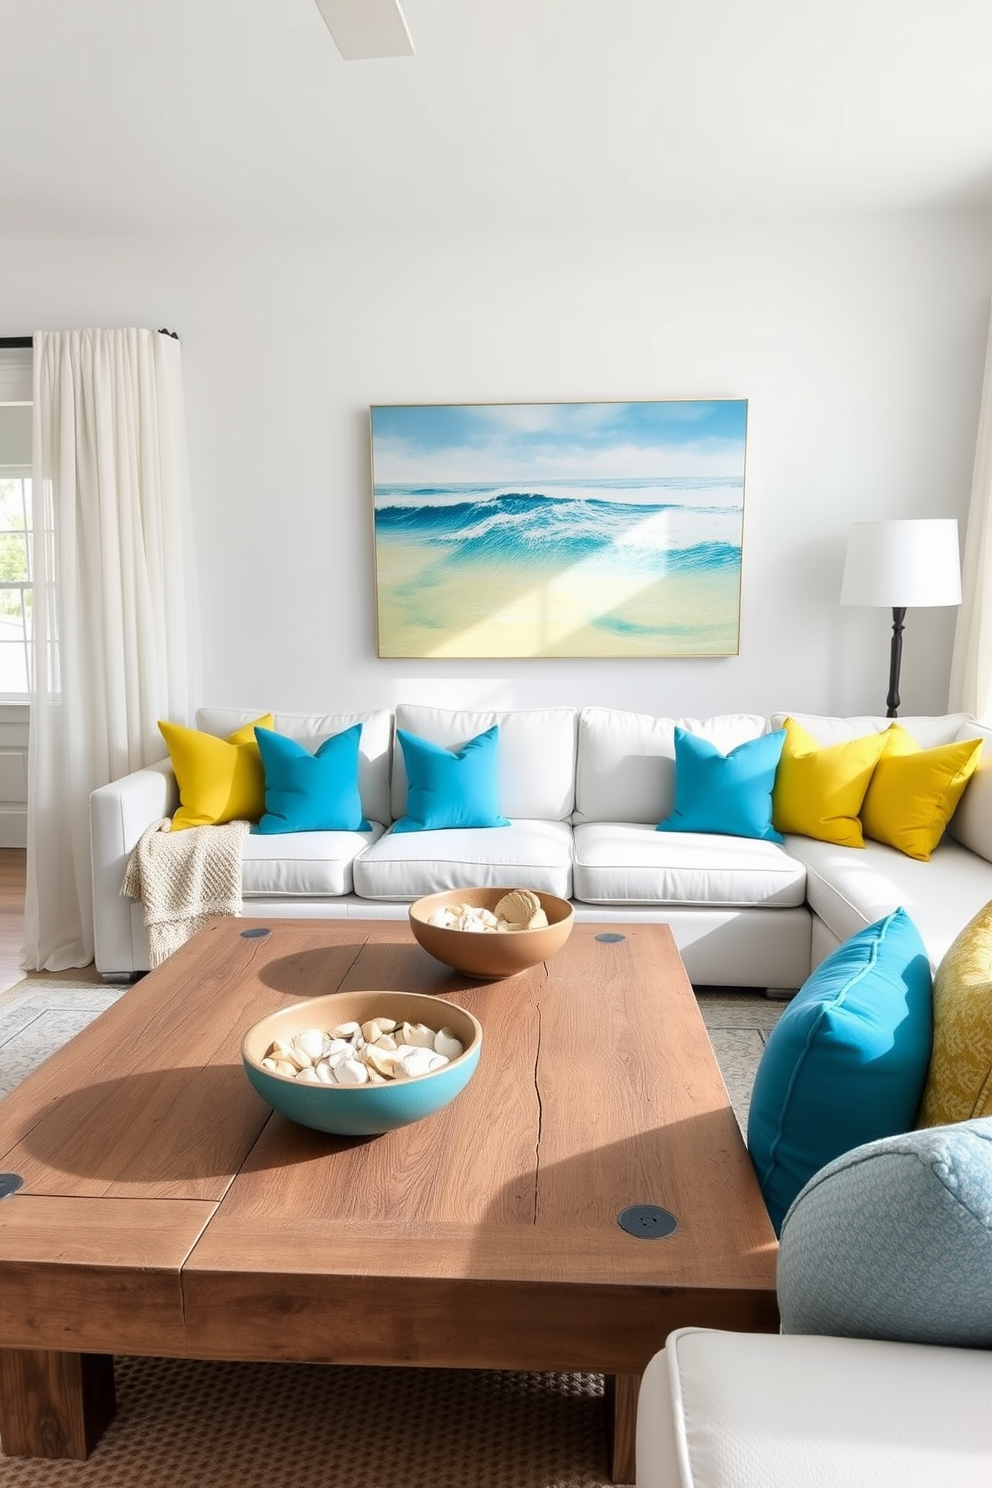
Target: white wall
pixel 859 344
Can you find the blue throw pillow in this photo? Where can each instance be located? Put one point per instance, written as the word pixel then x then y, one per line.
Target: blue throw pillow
pixel 894 1240
pixel 307 792
pixel 728 793
pixel 450 789
pixel 846 1062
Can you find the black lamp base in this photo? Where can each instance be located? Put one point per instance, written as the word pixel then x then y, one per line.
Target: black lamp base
pixel 895 661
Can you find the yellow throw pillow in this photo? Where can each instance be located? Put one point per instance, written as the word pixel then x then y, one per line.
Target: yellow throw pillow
pixel 818 792
pixel 220 780
pixel 959 1080
pixel 914 791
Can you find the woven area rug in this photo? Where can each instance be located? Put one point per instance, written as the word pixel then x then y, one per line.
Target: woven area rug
pixel 43 1012
pixel 185 1424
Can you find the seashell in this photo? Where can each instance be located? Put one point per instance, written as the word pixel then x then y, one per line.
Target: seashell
pixel 348 1056
pixel 445 1043
pixel 345 1030
pixel 518 906
pixel 520 909
pixel 383 1061
pixel 538 921
pixel 418 1061
pixel 418 1034
pixel 289 1054
pixel 311 1042
pixel 483 919
pixel 351 1072
pixel 278 1051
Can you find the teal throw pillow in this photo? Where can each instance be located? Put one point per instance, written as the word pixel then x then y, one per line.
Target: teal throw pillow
pixel 728 793
pixel 846 1062
pixel 307 792
pixel 894 1240
pixel 448 788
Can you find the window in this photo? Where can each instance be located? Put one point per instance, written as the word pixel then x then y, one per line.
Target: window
pixel 15 526
pixel 16 590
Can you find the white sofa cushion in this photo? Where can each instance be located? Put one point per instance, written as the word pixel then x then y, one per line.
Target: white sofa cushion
pixel 304 865
pixel 312 729
pixel 632 863
pixel 971 823
pixel 850 887
pixel 739 1410
pixel 536 755
pixel 625 771
pixel 526 854
pixel 927 730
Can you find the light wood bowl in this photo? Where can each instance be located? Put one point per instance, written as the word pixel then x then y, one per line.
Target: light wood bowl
pixel 490 955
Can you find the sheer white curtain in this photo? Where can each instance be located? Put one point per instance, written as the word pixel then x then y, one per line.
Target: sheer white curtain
pixel 971 663
pixel 115 628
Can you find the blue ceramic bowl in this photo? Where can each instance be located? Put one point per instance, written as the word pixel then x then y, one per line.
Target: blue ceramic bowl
pixel 362 1110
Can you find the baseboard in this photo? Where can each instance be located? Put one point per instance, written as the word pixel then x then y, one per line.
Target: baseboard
pixel 13 826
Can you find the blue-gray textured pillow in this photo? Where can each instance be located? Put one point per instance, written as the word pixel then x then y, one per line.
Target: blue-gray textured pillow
pixel 846 1062
pixel 894 1241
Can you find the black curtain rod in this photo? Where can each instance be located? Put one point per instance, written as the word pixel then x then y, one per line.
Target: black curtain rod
pixel 11 343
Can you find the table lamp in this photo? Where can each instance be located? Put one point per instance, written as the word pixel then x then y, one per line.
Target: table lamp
pixel 902 564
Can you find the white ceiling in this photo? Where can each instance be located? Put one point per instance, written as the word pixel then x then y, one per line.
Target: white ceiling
pixel 124 116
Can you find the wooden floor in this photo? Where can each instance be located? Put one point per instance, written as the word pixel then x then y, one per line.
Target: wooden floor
pixel 12 877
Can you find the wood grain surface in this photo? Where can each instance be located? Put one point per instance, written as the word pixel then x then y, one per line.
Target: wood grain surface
pixel 54 1404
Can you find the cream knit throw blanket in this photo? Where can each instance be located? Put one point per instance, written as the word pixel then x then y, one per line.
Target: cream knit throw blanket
pixel 183 879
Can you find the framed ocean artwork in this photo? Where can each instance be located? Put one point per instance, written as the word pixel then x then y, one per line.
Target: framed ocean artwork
pixel 559 529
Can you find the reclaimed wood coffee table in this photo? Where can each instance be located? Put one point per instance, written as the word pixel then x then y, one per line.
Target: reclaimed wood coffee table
pixel 164 1209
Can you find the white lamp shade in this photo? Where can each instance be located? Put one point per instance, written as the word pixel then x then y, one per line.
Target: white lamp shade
pixel 903 564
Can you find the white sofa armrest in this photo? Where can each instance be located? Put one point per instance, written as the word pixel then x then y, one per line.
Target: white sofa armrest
pixel 735 1410
pixel 119 813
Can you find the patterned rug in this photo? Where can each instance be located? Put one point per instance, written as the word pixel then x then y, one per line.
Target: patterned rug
pixel 187 1423
pixel 183 1423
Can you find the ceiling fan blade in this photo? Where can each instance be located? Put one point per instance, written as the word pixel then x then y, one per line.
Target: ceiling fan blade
pixel 363 29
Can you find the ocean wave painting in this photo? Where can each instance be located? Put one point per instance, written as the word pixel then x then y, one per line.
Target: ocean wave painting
pixel 564 529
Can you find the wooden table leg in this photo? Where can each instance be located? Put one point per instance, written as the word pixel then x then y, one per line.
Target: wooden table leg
pixel 621 1406
pixel 54 1405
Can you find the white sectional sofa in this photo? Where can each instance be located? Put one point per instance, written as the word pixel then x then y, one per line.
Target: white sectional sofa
pixel 732 1410
pixel 583 790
